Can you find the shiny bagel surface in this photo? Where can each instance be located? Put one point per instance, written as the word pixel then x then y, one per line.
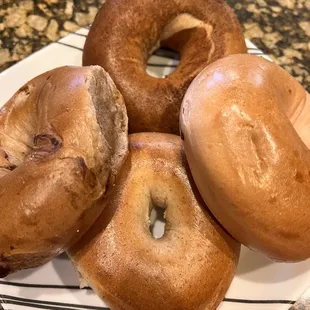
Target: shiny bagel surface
pixel 124 35
pixel 190 267
pixel 63 137
pixel 245 124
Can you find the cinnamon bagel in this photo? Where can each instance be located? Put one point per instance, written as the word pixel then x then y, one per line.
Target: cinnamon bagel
pixel 124 35
pixel 63 137
pixel 193 263
pixel 245 123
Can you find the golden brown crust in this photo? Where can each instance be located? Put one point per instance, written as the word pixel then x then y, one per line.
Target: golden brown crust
pixel 248 161
pixel 190 267
pixel 124 34
pixel 58 153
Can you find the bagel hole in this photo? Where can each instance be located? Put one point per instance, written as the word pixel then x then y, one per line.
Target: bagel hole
pixel 174 36
pixel 157 221
pixel 162 62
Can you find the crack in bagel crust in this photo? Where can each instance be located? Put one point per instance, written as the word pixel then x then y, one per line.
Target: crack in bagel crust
pixel 190 267
pixel 63 137
pixel 201 31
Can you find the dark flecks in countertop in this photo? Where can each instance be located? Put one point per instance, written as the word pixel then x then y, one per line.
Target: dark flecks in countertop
pixel 281 28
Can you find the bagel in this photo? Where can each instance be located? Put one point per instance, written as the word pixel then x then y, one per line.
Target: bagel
pixel 124 35
pixel 63 137
pixel 193 263
pixel 245 124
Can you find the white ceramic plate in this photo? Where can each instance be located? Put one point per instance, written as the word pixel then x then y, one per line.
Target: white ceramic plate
pixel 259 283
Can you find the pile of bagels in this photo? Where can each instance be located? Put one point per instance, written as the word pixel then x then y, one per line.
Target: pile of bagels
pixel 221 146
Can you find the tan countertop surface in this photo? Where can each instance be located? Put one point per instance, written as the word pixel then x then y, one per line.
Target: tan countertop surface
pixel 281 28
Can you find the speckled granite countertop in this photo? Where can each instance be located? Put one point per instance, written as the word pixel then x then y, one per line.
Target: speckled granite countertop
pixel 281 28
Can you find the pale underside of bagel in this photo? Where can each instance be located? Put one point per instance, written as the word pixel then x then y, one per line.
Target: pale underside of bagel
pixel 190 267
pixel 63 137
pixel 246 128
pixel 124 35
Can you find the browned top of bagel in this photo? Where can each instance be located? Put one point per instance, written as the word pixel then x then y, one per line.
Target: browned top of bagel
pixel 250 164
pixel 63 137
pixel 125 33
pixel 190 267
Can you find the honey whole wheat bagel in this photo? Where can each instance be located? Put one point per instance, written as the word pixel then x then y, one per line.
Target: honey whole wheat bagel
pixel 246 128
pixel 124 35
pixel 189 267
pixel 63 137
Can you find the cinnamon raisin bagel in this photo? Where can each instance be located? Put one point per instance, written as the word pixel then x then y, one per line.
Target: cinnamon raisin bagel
pixel 63 137
pixel 125 33
pixel 190 267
